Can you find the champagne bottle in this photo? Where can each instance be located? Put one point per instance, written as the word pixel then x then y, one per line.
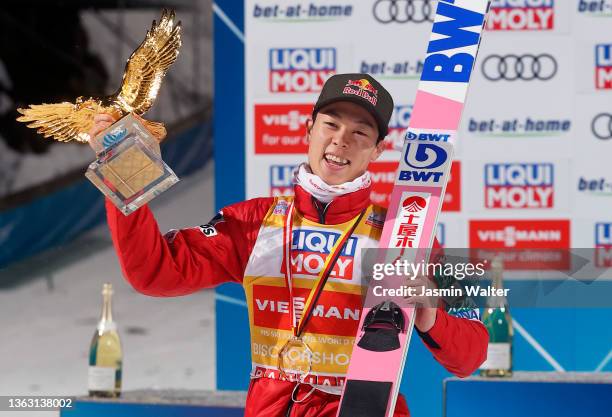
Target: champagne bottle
pixel 498 321
pixel 105 356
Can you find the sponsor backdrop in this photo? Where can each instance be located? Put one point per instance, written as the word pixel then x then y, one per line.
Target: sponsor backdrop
pixel 531 166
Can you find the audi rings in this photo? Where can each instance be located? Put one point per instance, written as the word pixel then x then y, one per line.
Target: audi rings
pixel 404 11
pixel 519 67
pixel 602 126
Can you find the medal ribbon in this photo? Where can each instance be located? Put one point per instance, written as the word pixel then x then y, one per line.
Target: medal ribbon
pixel 330 261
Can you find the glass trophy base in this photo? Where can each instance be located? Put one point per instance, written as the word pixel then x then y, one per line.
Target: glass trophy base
pixel 129 169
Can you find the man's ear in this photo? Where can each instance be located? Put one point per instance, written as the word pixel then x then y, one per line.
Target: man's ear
pixel 309 125
pixel 380 147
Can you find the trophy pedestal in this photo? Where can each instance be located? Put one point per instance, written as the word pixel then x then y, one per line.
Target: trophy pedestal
pixel 129 169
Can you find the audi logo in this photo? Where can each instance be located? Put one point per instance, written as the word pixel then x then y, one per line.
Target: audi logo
pixel 404 11
pixel 519 67
pixel 602 126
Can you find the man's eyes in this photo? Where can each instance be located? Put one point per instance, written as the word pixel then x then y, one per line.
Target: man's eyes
pixel 335 126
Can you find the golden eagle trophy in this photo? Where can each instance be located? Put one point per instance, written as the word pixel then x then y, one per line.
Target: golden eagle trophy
pixel 129 169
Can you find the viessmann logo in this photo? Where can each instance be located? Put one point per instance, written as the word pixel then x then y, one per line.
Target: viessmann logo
pixel 519 186
pixel 536 233
pixel 521 15
pixel 281 128
pixel 603 66
pixel 300 70
pixel 332 315
pixel 302 12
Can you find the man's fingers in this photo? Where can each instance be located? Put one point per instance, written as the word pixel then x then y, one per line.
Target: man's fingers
pixel 103 117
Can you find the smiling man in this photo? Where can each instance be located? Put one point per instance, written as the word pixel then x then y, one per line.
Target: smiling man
pixel 277 248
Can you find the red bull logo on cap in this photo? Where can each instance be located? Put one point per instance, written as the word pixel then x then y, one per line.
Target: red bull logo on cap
pixel 364 90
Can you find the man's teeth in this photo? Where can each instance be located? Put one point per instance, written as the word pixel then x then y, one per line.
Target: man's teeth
pixel 336 159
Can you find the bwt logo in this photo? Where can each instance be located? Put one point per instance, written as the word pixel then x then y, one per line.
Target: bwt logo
pixel 310 248
pixel 300 70
pixel 603 66
pixel 519 186
pixel 521 15
pixel 425 159
pixel 400 118
pixel 442 63
pixel 281 179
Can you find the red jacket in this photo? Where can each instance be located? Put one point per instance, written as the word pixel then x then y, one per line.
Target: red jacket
pixel 185 261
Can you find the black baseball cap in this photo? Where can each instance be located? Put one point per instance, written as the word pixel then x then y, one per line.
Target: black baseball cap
pixel 361 89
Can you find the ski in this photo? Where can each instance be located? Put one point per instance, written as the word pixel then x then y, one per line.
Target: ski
pixel 385 328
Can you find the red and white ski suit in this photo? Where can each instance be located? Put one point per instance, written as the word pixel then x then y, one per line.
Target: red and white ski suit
pixel 243 244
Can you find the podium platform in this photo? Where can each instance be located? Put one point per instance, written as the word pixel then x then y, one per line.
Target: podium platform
pixel 166 403
pixel 540 394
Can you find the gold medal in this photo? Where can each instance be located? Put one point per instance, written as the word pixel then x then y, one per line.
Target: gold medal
pixel 295 358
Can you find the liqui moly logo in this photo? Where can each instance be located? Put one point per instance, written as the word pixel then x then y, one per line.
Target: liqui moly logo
pixel 310 248
pixel 334 314
pixel 519 186
pixel 603 66
pixel 400 118
pixel 603 235
pixel 537 233
pixel 521 15
pixel 281 128
pixel 281 179
pixel 300 70
pixel 603 245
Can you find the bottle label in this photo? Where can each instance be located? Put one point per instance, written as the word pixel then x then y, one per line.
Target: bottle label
pixel 498 356
pixel 101 378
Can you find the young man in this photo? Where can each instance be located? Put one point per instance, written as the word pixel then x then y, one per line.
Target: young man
pixel 277 246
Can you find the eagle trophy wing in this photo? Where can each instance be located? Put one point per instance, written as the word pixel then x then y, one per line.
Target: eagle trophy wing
pixel 148 64
pixel 63 121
